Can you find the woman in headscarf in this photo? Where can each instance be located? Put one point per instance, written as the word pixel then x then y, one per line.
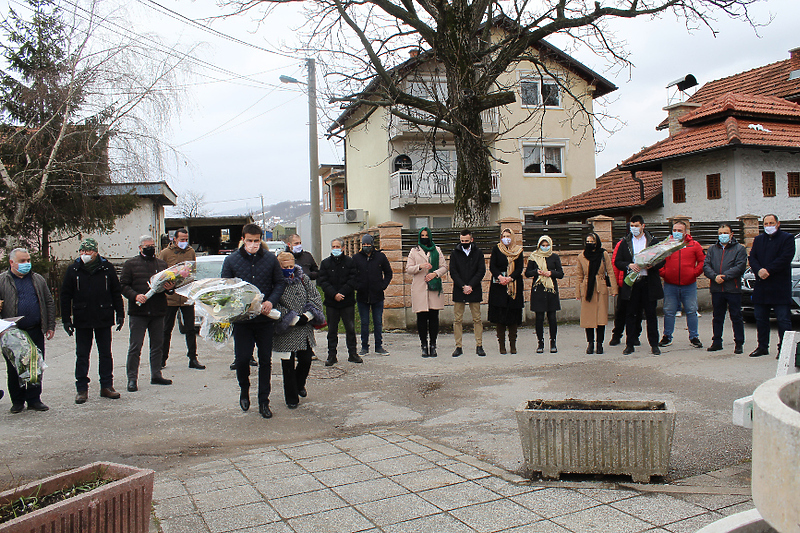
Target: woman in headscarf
pixel 545 268
pixel 595 280
pixel 506 298
pixel 427 266
pixel 301 309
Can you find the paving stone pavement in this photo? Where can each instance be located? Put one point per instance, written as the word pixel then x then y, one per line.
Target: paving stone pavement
pixel 397 482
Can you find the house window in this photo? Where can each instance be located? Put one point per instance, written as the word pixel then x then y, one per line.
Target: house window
pixel 535 92
pixel 679 191
pixel 768 184
pixel 539 160
pixel 794 184
pixel 713 188
pixel 418 222
pixel 441 222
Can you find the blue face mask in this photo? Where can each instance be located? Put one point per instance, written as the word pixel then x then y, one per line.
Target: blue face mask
pixel 24 268
pixel 336 252
pixel 287 272
pixel 724 238
pixel 677 235
pixel 545 249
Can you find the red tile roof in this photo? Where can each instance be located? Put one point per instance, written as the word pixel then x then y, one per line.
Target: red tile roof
pixel 768 80
pixel 743 105
pixel 615 190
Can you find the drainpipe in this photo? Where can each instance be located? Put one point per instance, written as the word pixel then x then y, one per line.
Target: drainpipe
pixel 641 185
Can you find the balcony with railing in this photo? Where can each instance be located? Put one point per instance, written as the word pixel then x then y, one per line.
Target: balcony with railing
pixel 417 187
pixel 399 128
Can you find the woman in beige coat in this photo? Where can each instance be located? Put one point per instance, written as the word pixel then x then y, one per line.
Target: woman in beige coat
pixel 427 265
pixel 595 280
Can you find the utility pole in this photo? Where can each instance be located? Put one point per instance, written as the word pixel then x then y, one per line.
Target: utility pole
pixel 263 223
pixel 313 160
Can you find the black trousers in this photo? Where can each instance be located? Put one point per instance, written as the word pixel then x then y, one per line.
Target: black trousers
pixel 551 321
pixel 83 348
pixel 20 394
pixel 246 337
pixel 428 324
pixel 621 316
pixel 187 314
pixel 726 302
pixel 295 374
pixel 348 316
pixel 639 303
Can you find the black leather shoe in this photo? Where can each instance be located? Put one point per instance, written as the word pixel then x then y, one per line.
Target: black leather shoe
pixel 302 392
pixel 540 347
pixel 264 410
pixel 480 351
pixel 194 363
pixel 553 348
pixel 244 403
pixel 355 359
pixel 758 352
pixel 655 350
pixel 615 341
pixel 599 349
pixel 628 350
pixel 714 347
pixel 37 406
pixel 738 349
pixel 425 352
pixel 458 351
pixel 132 387
pixel 330 361
pixel 233 365
pixel 160 381
pixel 16 408
pixel 81 397
pixel 433 351
pixel 290 406
pixel 590 348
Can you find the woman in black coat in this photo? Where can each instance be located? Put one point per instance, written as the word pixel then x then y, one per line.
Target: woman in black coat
pixel 506 298
pixel 545 268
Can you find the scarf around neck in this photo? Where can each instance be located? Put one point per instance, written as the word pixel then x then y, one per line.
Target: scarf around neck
pixel 540 258
pixel 511 253
pixel 436 283
pixel 595 258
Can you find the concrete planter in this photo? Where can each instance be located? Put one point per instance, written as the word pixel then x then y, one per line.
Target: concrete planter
pixel 122 506
pixel 776 448
pixel 597 437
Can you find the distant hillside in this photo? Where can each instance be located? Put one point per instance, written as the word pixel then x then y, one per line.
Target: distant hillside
pixel 280 213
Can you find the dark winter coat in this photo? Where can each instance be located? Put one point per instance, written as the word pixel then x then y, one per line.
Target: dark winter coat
pixel 467 270
pixel 47 306
pixel 499 300
pixel 262 269
pixel 337 275
pixel 173 255
pixel 91 299
pixel 301 295
pixel 625 257
pixel 306 260
pixel 729 260
pixel 775 253
pixel 374 275
pixel 541 300
pixel 136 272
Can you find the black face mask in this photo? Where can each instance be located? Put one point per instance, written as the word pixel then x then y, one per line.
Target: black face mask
pixel 425 241
pixel 465 245
pixel 149 251
pixel 367 248
pixel 589 247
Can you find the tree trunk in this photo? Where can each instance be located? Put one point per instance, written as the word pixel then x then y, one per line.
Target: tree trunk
pixel 473 196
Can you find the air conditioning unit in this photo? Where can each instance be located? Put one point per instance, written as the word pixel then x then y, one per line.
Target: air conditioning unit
pixel 354 215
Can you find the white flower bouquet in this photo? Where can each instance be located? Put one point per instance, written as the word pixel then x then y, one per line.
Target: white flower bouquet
pixel 22 353
pixel 179 273
pixel 652 255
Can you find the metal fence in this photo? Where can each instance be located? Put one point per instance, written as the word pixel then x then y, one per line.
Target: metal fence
pixel 448 238
pixel 565 236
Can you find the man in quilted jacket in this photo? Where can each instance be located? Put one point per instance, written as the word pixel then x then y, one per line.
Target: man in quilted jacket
pixel 680 275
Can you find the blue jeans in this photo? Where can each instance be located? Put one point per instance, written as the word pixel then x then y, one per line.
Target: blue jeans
pixel 784 319
pixel 725 302
pixel 377 323
pixel 674 296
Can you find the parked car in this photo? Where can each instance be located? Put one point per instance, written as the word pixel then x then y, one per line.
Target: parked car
pixel 276 247
pixel 747 287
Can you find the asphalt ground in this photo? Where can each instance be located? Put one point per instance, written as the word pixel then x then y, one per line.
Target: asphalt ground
pixel 465 403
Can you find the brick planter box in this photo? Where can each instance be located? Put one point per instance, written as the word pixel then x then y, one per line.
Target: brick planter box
pixel 596 437
pixel 122 506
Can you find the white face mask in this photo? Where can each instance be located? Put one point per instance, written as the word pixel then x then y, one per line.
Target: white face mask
pixel 635 231
pixel 251 247
pixel 183 245
pixel 297 248
pixel 86 258
pixel 506 240
pixel 770 230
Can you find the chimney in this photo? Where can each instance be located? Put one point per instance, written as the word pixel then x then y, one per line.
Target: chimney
pixel 414 52
pixel 676 111
pixel 794 64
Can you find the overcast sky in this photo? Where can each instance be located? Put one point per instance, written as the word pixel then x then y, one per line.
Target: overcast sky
pixel 241 138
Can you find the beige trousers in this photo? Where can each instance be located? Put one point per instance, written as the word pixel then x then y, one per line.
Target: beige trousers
pixel 458 330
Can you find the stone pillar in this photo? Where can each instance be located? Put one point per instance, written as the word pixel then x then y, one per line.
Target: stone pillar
pixel 750 223
pixel 602 226
pixel 515 225
pixel 681 218
pixel 391 243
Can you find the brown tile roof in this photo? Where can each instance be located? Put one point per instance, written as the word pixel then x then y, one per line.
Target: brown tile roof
pixel 768 80
pixel 615 190
pixel 744 105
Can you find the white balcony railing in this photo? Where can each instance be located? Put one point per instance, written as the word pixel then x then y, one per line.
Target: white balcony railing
pixel 489 117
pixel 416 185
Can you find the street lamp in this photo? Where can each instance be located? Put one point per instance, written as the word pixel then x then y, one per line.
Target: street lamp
pixel 313 157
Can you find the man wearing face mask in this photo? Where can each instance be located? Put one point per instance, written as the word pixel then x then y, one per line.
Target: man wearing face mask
pixel 179 251
pixel 254 264
pixel 771 262
pixel 91 296
pixel 302 258
pixel 680 274
pixel 337 279
pixel 726 261
pixel 643 296
pixel 374 275
pixel 25 293
pixel 467 268
pixel 146 315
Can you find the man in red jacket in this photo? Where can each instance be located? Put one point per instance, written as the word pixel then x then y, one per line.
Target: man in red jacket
pixel 680 275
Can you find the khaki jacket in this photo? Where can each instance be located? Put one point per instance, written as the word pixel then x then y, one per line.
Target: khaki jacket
pixel 421 298
pixel 173 255
pixel 595 312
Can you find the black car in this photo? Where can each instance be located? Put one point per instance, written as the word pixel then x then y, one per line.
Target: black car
pixel 747 287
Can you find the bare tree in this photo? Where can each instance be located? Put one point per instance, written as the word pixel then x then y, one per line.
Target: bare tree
pixel 471 43
pixel 192 204
pixel 85 103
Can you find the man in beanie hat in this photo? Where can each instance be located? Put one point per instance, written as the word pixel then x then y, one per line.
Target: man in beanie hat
pixel 374 275
pixel 91 300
